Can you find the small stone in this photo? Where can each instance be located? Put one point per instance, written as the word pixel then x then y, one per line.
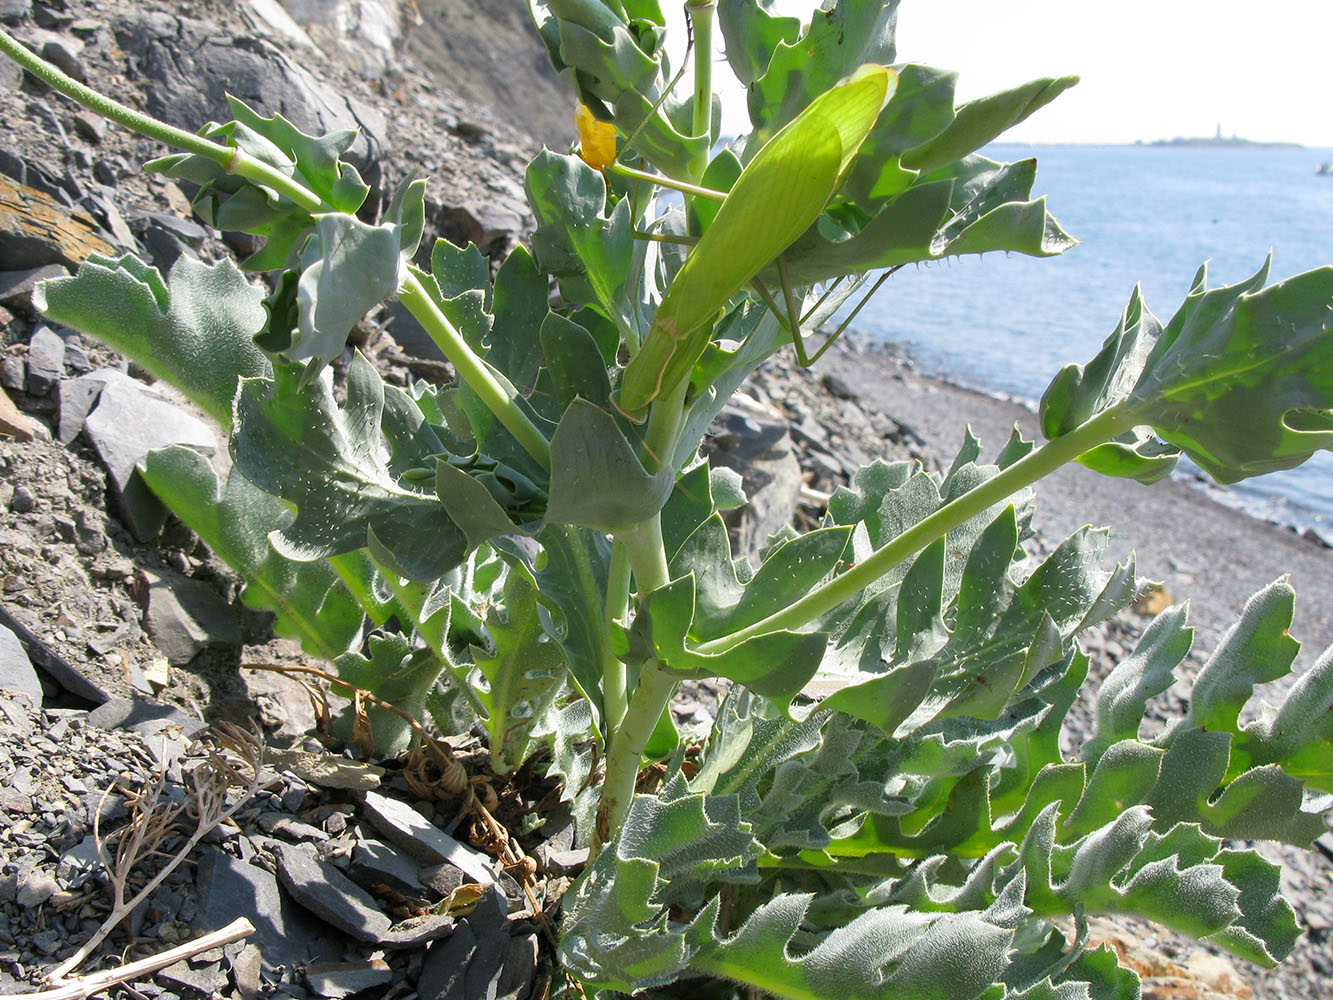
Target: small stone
pixel 210 980
pixel 35 888
pixel 341 979
pixel 13 423
pixel 331 895
pixel 12 374
pixel 284 933
pixel 14 11
pixel 92 127
pixel 14 801
pixel 292 829
pixel 472 959
pixel 76 358
pixel 16 286
pixel 46 360
pixel 375 864
pixel 60 53
pixel 79 864
pixel 186 616
pixel 423 840
pixel 143 717
pixel 838 388
pixel 47 941
pixel 129 421
pixel 566 862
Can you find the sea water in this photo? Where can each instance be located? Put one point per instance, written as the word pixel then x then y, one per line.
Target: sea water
pixel 1144 214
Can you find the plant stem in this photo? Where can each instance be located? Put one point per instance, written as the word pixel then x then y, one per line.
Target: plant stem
pixel 614 696
pixel 647 557
pixel 495 392
pixel 1024 472
pixel 701 20
pixel 668 182
pixel 232 160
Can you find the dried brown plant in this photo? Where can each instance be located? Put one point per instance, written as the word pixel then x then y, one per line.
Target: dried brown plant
pixel 225 759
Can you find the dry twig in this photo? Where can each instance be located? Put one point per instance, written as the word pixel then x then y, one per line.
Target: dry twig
pixel 87 986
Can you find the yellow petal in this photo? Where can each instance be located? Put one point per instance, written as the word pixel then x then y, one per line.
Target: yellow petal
pixel 597 139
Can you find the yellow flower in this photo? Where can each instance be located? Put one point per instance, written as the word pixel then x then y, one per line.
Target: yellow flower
pixel 597 139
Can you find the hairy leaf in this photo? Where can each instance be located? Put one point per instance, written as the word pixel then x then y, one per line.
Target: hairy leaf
pixel 234 521
pixel 195 330
pixel 1239 380
pixel 523 672
pixel 395 672
pixel 329 462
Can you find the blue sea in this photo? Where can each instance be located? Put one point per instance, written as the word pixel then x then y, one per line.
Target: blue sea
pixel 1144 214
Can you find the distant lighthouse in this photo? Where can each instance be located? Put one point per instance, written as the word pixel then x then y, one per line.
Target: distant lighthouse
pixel 1219 132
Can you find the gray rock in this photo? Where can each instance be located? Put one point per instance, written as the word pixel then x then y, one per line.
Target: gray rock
pixel 442 879
pixel 78 396
pixel 185 616
pixel 16 670
pixel 24 501
pixel 340 902
pixel 142 717
pixel 51 664
pixel 209 979
pixel 35 887
pixel 375 863
pixel 285 934
pixel 331 895
pixel 411 831
pixel 63 53
pixel 838 388
pixel 14 11
pixel 520 968
pixel 341 979
pixel 192 65
pixel 470 963
pixel 46 360
pixel 79 864
pixel 16 286
pixel 90 126
pixel 566 862
pixel 13 375
pixel 751 438
pixel 129 421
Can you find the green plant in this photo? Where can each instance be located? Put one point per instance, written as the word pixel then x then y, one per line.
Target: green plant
pixel 919 832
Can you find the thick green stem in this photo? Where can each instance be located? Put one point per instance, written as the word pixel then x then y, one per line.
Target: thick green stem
pixel 493 390
pixel 647 557
pixel 701 20
pixel 1024 472
pixel 614 694
pixel 232 160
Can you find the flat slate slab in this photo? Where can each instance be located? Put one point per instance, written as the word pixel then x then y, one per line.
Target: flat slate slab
pixel 341 903
pixel 424 840
pixel 16 670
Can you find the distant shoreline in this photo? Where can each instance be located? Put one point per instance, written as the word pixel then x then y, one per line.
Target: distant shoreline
pixel 1177 143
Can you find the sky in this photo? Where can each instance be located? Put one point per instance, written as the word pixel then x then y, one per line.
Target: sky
pixel 1151 69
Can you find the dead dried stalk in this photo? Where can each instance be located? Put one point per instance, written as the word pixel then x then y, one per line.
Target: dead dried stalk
pixel 87 986
pixel 233 758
